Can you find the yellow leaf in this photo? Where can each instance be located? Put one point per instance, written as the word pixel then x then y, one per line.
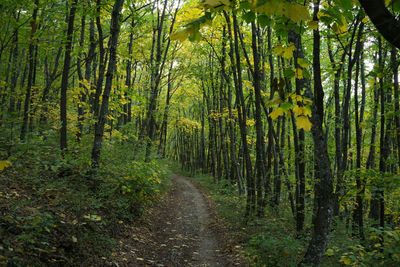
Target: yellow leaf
pixel 302 62
pixel 329 252
pixel 313 25
pixel 269 8
pixel 365 20
pixel 180 35
pixel 288 51
pixel 250 123
pixel 298 110
pixel 340 27
pixel 214 3
pixel 346 260
pixel 296 98
pixel 276 113
pixel 303 122
pixel 140 259
pixel 299 74
pixel 297 12
pixel 278 49
pixel 74 239
pixel 5 164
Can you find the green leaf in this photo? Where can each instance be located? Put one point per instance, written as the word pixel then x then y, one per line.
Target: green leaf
pixel 264 20
pixel 245 5
pixel 286 106
pixel 249 17
pixel 344 4
pixel 289 73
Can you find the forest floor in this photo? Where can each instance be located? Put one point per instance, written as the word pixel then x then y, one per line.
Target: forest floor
pixel 182 230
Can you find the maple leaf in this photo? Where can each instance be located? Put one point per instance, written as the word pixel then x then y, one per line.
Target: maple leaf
pixel 276 113
pixel 303 122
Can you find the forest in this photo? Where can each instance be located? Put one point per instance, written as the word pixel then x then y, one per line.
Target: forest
pixel 281 117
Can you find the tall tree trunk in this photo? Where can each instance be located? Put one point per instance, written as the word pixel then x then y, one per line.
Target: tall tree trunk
pixel 395 70
pixel 82 94
pixel 31 60
pixel 242 115
pixel 323 201
pixel 161 51
pixel 358 222
pixel 112 63
pixel 260 148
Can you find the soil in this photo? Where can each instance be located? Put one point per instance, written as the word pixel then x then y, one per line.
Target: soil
pixel 182 230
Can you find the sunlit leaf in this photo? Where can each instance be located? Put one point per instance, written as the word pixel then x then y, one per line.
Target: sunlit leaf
pixel 5 164
pixel 299 74
pixel 180 35
pixel 346 260
pixel 302 122
pixel 313 25
pixel 302 62
pixel 297 12
pixel 276 113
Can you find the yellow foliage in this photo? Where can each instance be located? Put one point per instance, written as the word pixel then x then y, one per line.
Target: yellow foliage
pixel 303 122
pixel 250 123
pixel 5 164
pixel 302 62
pixel 269 8
pixel 286 52
pixel 346 260
pixel 180 35
pixel 297 12
pixel 340 27
pixel 313 25
pixel 299 74
pixel 276 113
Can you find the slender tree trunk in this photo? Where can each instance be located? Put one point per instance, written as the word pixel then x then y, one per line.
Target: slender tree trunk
pixel 30 73
pixel 358 222
pixel 260 148
pixel 102 63
pixel 324 198
pixel 395 69
pixel 82 94
pixel 113 44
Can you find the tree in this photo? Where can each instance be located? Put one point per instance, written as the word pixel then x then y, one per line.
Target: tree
pixel 386 23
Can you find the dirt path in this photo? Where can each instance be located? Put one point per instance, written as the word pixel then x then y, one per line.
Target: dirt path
pixel 181 231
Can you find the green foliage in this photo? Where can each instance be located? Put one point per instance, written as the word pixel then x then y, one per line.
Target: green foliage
pixel 58 213
pixel 267 250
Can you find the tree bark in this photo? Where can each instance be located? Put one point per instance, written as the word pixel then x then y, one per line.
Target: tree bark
pixel 113 44
pixel 386 23
pixel 30 73
pixel 323 201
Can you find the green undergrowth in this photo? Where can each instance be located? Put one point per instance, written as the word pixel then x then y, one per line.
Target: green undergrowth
pixel 271 239
pixel 55 211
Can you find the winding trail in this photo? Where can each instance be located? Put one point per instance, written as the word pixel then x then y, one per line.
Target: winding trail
pixel 180 232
